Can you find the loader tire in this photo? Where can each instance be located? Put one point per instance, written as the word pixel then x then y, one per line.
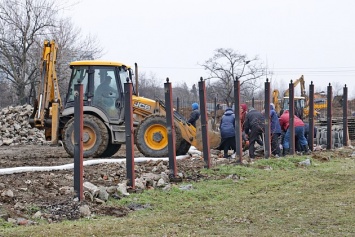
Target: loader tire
pixel 152 136
pixel 111 150
pixel 183 148
pixel 95 137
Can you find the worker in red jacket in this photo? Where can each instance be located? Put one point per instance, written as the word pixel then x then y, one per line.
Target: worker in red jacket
pixel 299 132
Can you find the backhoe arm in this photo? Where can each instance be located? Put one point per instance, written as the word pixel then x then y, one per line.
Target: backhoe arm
pixel 48 104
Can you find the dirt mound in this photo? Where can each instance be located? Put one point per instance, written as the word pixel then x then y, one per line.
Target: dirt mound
pixel 49 195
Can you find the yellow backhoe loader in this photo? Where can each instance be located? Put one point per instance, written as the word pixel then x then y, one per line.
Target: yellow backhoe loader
pixel 103 99
pixel 301 102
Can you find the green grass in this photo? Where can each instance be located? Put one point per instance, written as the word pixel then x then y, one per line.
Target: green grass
pixel 273 197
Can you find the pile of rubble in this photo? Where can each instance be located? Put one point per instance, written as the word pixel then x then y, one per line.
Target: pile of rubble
pixel 15 128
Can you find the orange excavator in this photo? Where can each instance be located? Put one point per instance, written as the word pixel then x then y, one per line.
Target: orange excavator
pixel 301 102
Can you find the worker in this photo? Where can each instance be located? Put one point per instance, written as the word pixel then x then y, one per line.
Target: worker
pixel 306 133
pixel 275 129
pixel 227 129
pixel 299 132
pixel 298 110
pixel 254 127
pixel 105 95
pixel 243 113
pixel 195 114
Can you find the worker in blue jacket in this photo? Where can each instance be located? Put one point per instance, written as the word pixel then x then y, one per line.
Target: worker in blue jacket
pixel 195 114
pixel 227 129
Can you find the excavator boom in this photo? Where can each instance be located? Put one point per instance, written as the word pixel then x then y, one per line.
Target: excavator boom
pixel 275 100
pixel 295 83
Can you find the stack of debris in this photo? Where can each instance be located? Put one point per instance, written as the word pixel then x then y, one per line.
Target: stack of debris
pixel 15 128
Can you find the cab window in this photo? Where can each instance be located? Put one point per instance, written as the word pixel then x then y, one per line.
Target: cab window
pixel 105 90
pixel 79 75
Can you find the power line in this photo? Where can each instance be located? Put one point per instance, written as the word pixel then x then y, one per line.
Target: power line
pixel 310 69
pixel 178 68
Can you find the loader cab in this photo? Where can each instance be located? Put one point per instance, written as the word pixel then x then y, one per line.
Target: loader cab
pixel 299 105
pixel 103 86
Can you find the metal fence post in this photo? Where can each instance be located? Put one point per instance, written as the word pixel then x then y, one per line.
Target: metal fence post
pixel 170 128
pixel 292 118
pixel 78 141
pixel 215 113
pixel 238 125
pixel 329 117
pixel 178 104
pixel 267 143
pixel 204 123
pixel 311 117
pixel 128 110
pixel 345 117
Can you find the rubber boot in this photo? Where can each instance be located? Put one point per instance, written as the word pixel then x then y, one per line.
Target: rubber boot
pixel 306 150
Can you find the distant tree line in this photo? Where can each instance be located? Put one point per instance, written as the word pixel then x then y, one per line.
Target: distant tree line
pixel 24 25
pixel 223 68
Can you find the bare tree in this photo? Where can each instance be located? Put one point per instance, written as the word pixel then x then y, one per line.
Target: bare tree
pixel 337 88
pixel 24 27
pixel 182 91
pixel 226 65
pixel 149 86
pixel 6 93
pixel 22 23
pixel 72 46
pixel 194 92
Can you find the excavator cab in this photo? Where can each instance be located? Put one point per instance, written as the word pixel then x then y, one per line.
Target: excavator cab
pixel 299 102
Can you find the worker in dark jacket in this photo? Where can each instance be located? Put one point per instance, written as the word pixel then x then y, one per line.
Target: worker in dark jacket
pixel 254 127
pixel 275 129
pixel 195 114
pixel 227 129
pixel 306 134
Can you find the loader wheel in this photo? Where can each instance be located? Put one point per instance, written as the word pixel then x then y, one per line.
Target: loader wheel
pixel 152 137
pixel 95 137
pixel 111 150
pixel 183 148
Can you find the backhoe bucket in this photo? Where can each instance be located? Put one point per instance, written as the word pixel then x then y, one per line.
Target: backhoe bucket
pixel 214 136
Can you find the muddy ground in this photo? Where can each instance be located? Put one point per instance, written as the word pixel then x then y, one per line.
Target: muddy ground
pixel 30 196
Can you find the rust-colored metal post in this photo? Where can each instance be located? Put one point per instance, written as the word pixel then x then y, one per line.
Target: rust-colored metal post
pixel 311 117
pixel 345 117
pixel 329 117
pixel 78 141
pixel 238 125
pixel 178 104
pixel 292 118
pixel 136 78
pixel 267 130
pixel 170 128
pixel 128 110
pixel 215 113
pixel 204 123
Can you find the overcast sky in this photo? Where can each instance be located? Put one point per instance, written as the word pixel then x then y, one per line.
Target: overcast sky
pixel 170 38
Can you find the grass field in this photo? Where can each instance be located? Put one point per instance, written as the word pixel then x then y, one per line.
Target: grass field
pixel 274 197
